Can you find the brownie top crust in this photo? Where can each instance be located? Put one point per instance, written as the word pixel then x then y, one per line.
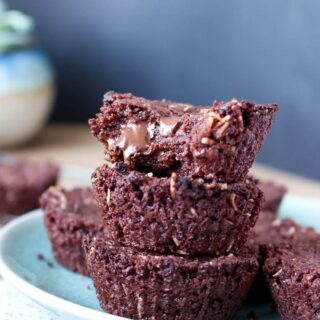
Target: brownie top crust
pixel 77 201
pixel 274 231
pixel 162 136
pixel 285 237
pixel 16 174
pixel 305 253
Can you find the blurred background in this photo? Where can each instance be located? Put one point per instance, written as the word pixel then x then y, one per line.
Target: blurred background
pixel 192 51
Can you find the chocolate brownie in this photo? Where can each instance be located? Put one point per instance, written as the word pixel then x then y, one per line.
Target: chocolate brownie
pixel 69 214
pixel 273 194
pixel 293 276
pixel 216 142
pixel 22 182
pixel 270 232
pixel 176 215
pixel 141 285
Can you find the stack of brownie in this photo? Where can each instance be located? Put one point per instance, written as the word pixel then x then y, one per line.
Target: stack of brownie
pixel 177 207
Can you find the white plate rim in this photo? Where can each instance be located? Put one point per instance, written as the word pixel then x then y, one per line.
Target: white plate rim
pixel 44 298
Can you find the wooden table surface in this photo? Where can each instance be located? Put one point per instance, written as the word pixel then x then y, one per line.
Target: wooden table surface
pixel 73 144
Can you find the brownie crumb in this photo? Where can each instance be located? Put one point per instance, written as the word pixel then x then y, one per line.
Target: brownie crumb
pixel 88 287
pixel 40 256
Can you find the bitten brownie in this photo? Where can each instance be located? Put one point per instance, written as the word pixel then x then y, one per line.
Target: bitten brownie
pixel 176 215
pixel 273 194
pixel 70 214
pixel 293 275
pixel 141 285
pixel 218 142
pixel 22 182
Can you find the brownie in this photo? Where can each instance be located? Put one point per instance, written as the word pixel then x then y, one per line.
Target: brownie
pixel 273 194
pixel 267 233
pixel 216 142
pixel 293 276
pixel 68 215
pixel 22 182
pixel 140 285
pixel 176 215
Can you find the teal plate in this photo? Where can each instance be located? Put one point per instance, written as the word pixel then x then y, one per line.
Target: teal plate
pixel 71 295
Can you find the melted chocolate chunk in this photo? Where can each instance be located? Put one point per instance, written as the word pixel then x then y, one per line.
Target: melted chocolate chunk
pixel 168 125
pixel 133 138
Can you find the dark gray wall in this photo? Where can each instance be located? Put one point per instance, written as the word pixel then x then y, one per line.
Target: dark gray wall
pixel 195 51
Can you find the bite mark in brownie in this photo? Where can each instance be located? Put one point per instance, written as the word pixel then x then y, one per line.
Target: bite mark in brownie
pixel 177 214
pixel 141 285
pixel 216 142
pixel 22 182
pixel 69 215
